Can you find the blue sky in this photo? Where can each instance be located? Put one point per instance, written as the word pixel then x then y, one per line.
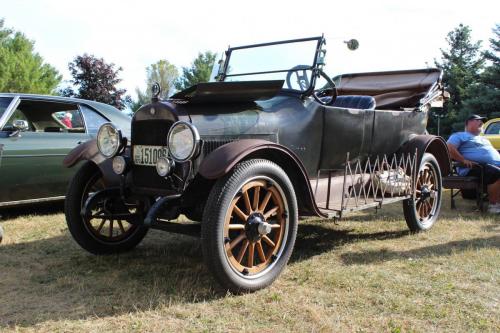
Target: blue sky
pixel 133 34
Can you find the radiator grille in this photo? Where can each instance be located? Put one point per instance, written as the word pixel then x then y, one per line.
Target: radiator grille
pixel 153 133
pixel 210 145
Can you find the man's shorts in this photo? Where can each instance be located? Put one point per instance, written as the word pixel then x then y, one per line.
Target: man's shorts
pixel 491 173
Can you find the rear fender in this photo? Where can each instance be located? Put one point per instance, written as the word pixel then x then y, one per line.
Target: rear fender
pixel 88 151
pixel 432 144
pixel 223 159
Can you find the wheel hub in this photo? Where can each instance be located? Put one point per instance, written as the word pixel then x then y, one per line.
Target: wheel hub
pixel 425 193
pixel 256 227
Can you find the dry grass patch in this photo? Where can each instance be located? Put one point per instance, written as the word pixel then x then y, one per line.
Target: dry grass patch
pixel 366 274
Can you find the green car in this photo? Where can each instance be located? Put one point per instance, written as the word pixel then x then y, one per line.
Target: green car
pixel 36 133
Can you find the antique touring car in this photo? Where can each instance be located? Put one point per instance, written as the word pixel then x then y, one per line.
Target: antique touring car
pixel 245 155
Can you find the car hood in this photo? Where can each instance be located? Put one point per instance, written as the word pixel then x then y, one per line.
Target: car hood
pixel 229 92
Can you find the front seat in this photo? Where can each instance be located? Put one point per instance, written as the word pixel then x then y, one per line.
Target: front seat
pixel 355 102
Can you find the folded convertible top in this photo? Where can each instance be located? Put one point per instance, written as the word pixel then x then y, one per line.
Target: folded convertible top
pixel 391 90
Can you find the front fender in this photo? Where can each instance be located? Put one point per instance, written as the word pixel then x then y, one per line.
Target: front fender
pixel 88 151
pixel 432 144
pixel 223 159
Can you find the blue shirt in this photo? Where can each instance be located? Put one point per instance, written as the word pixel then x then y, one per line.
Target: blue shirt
pixel 474 148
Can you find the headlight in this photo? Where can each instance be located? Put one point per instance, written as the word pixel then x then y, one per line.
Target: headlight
pixel 119 164
pixel 183 141
pixel 164 166
pixel 109 140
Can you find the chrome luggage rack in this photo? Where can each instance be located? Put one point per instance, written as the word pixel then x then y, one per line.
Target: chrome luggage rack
pixel 368 183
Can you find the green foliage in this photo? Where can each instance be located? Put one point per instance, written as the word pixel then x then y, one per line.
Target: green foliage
pixel 461 64
pixel 21 68
pixel 485 96
pixel 162 72
pixel 200 71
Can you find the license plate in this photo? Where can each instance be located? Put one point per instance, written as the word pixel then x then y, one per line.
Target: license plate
pixel 148 155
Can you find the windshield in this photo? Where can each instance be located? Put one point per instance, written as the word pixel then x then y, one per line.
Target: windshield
pixel 493 128
pixel 291 61
pixel 4 104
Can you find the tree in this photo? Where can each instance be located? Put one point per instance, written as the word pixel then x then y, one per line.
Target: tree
pixel 162 72
pixel 96 80
pixel 485 96
pixel 200 71
pixel 461 65
pixel 21 68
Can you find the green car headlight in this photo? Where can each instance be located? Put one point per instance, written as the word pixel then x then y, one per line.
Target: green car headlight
pixel 183 141
pixel 109 140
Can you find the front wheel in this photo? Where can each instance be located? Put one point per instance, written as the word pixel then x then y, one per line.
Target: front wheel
pixel 249 226
pixel 99 233
pixel 422 210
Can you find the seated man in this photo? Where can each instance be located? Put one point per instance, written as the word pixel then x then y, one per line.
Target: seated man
pixel 470 148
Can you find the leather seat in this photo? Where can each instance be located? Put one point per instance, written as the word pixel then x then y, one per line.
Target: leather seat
pixel 355 102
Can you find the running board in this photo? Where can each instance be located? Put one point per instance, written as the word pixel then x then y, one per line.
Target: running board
pixel 189 229
pixel 30 201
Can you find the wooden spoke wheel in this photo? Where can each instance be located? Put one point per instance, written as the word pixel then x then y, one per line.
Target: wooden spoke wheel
pixel 249 226
pixel 254 227
pixel 422 210
pixel 426 192
pixel 102 223
pixel 107 228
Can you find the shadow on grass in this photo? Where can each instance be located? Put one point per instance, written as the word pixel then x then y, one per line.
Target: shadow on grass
pixel 316 239
pixel 446 249
pixel 53 279
pixel 35 209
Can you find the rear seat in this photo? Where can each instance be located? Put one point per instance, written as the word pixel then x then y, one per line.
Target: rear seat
pixel 355 102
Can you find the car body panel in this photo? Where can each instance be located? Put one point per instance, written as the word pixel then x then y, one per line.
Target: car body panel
pixel 278 120
pixel 31 163
pixel 345 131
pixel 492 132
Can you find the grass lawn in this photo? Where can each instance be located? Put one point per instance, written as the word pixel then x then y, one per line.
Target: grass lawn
pixel 366 274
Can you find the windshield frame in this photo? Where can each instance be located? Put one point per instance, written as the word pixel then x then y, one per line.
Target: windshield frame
pixel 315 67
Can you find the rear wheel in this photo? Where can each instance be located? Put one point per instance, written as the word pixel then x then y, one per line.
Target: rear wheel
pixel 249 226
pixel 422 211
pixel 99 233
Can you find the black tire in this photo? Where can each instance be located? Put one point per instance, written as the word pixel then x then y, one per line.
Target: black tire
pixel 265 255
pixel 83 182
pixel 422 211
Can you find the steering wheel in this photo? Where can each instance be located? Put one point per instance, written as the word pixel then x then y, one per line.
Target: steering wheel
pixel 328 94
pixel 301 76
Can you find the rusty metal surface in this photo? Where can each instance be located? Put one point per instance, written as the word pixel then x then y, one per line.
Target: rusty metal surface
pixel 432 144
pixel 224 158
pixel 88 151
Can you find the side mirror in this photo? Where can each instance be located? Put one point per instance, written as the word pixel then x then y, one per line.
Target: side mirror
pixel 352 44
pixel 21 125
